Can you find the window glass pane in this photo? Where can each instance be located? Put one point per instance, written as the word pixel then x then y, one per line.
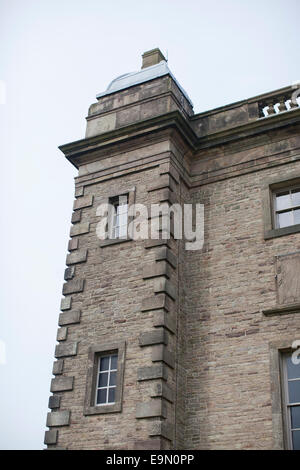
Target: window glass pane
pixel 285 219
pixel 295 417
pixel 114 361
pixel 101 396
pixel 102 382
pixel 296 440
pixel 111 394
pixel 294 391
pixel 283 201
pixel 297 216
pixel 104 363
pixel 296 197
pixel 112 380
pixel 293 370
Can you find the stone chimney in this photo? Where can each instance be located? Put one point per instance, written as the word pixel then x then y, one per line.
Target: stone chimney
pixel 152 57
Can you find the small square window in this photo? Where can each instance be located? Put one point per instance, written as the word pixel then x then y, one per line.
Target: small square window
pixel 105 379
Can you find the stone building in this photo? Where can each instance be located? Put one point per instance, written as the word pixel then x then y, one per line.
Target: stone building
pixel 160 347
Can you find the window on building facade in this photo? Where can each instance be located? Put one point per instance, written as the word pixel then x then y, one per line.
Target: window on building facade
pixel 106 379
pixel 291 399
pixel 119 217
pixel 287 207
pixel 104 384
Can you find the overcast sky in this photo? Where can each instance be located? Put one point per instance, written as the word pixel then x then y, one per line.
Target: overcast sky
pixel 55 56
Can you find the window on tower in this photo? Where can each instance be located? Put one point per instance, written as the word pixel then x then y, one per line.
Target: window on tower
pixel 104 385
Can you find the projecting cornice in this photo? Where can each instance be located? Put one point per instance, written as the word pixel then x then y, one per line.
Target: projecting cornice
pixel 78 152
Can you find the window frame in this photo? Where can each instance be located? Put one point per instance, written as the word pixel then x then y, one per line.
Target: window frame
pixel 94 354
pixel 279 414
pixel 131 193
pixel 291 209
pixel 270 187
pixel 285 401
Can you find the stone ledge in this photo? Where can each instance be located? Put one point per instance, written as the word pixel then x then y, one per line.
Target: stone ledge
pixel 282 310
pixel 69 318
pixel 149 338
pixel 154 409
pixel 66 349
pixel 152 372
pixel 62 384
pixel 73 287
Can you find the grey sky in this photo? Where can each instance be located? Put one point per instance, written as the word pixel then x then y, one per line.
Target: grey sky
pixel 55 56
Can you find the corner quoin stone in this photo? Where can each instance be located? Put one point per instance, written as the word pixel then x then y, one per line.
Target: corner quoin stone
pixel 58 418
pixel 66 349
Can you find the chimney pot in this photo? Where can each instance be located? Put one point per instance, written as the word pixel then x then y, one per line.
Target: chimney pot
pixel 152 57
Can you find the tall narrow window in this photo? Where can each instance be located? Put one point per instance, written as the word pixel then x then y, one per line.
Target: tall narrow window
pixel 120 216
pixel 106 380
pixel 291 392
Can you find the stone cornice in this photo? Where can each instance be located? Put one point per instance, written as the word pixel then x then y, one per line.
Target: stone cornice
pixel 78 152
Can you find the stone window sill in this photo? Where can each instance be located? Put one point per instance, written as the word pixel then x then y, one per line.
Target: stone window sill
pixel 280 232
pixel 282 309
pixel 113 241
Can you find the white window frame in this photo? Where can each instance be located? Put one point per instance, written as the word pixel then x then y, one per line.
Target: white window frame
pixel 108 386
pixel 291 209
pixel 119 214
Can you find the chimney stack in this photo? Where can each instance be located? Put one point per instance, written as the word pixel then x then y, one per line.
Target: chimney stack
pixel 152 57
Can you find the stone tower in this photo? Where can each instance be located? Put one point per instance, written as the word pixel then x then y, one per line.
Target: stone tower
pixel 160 347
